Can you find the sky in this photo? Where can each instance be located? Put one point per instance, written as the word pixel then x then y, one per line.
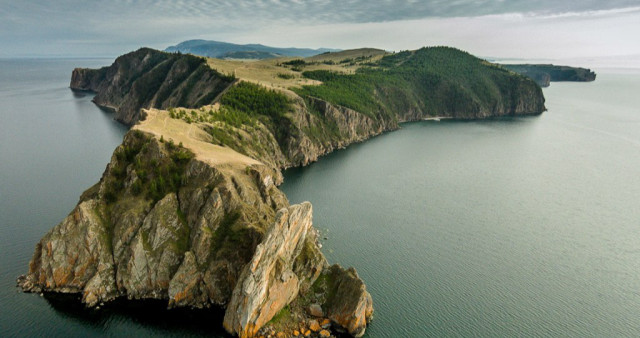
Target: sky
pixel 540 29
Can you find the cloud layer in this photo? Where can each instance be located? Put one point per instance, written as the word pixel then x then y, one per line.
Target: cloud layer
pixel 75 27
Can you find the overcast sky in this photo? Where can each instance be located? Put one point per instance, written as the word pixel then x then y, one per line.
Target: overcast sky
pixel 500 28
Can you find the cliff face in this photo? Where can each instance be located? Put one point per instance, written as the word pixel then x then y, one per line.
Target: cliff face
pixel 195 225
pixel 157 213
pixel 322 127
pixel 544 74
pixel 268 283
pixel 148 78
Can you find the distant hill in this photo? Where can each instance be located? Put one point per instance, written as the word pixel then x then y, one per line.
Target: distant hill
pixel 337 56
pixel 225 50
pixel 543 74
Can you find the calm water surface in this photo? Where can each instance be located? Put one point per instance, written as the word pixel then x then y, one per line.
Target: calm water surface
pixel 515 227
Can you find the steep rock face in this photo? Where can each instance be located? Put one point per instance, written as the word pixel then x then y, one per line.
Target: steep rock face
pixel 268 283
pixel 164 224
pixel 148 78
pixel 350 305
pixel 323 127
pixel 126 239
pixel 75 266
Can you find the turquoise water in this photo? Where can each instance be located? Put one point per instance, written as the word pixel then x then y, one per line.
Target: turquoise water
pixel 513 227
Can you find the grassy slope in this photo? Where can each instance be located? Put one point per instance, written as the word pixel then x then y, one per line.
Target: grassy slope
pixel 275 73
pixel 434 81
pixel 259 117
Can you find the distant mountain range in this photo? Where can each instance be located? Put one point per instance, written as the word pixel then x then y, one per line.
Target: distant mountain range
pixel 225 50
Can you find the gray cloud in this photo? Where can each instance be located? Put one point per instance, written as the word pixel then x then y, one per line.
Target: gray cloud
pixel 111 27
pixel 341 11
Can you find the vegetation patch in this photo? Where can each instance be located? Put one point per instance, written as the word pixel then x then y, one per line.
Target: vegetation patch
pixel 225 114
pixel 266 105
pixel 223 231
pixel 282 316
pixel 437 80
pixel 286 76
pixel 155 177
pixel 251 98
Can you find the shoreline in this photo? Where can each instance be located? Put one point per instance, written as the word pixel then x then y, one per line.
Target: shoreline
pixel 437 118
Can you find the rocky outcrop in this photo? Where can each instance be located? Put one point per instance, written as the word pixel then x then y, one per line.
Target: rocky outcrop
pixel 166 223
pixel 349 304
pixel 322 127
pixel 268 283
pixel 187 242
pixel 148 78
pixel 544 74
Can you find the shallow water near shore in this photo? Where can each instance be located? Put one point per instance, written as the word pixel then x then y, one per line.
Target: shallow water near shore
pixel 511 227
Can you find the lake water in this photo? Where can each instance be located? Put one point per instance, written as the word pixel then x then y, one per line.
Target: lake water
pixel 512 227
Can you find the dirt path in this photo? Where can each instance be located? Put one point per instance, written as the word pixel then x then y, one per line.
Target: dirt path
pixel 195 139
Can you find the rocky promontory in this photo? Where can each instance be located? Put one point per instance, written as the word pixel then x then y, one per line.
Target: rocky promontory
pixel 147 78
pixel 188 210
pixel 296 124
pixel 544 74
pixel 197 225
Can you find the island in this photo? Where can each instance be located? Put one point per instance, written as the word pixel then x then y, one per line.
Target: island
pixel 544 74
pixel 188 210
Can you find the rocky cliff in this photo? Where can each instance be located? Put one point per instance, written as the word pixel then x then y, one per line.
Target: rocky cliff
pixel 189 222
pixel 544 74
pixel 147 78
pixel 268 283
